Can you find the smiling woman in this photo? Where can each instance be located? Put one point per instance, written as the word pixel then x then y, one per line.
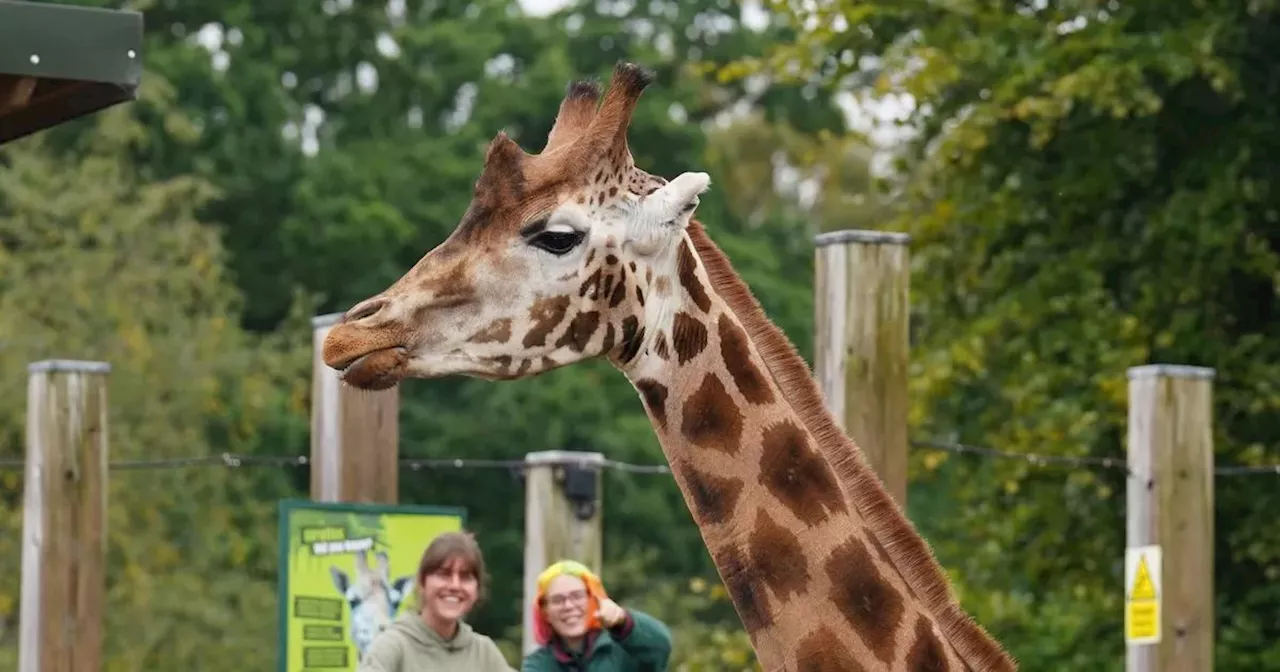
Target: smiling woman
pixel 450 582
pixel 580 628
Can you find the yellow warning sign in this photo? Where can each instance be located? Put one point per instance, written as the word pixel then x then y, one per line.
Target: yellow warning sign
pixel 1142 595
pixel 1143 588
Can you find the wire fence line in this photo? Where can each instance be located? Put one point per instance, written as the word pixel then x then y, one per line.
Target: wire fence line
pixel 236 461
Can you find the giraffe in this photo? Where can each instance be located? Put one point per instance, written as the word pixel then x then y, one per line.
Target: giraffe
pixel 374 598
pixel 575 253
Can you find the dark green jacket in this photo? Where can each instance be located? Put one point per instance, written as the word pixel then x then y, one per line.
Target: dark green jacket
pixel 639 644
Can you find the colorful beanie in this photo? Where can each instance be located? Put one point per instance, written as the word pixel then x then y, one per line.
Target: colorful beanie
pixel 542 631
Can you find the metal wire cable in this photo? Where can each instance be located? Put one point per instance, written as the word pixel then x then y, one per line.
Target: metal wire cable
pixel 235 461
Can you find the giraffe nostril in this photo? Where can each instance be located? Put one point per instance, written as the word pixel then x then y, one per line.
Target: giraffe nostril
pixel 366 309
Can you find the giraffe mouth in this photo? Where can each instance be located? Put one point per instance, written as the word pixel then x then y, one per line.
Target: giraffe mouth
pixel 377 370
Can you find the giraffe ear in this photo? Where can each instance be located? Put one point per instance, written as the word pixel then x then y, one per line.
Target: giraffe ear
pixel 675 202
pixel 666 212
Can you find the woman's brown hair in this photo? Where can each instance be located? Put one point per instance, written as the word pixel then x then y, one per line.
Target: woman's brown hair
pixel 449 546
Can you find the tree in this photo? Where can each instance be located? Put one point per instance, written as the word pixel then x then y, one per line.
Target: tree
pixel 1089 187
pixel 96 263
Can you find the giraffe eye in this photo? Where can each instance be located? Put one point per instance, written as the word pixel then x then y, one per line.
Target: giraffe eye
pixel 557 242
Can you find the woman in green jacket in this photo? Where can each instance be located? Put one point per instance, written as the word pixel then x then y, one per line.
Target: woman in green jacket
pixel 581 630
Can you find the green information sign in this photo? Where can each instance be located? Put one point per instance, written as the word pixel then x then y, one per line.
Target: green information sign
pixel 333 556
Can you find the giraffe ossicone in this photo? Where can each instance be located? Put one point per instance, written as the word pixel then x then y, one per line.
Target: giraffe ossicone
pixel 575 253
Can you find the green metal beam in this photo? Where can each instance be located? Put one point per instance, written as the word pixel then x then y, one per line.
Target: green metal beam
pixel 62 62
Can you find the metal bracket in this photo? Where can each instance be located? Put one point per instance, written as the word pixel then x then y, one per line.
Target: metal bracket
pixel 578 482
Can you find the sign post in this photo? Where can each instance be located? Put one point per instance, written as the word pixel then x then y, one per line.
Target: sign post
pixel 346 571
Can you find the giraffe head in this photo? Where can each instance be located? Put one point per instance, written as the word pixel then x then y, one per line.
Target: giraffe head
pixel 551 263
pixel 373 596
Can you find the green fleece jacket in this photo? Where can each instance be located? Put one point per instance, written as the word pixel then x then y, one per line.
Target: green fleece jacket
pixel 410 646
pixel 641 643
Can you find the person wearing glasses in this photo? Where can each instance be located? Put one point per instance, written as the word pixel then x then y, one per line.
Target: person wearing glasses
pixel 579 629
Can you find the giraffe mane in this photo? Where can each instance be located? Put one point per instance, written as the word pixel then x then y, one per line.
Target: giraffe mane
pixel 911 555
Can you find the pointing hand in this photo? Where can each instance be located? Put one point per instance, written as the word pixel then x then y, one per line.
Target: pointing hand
pixel 610 613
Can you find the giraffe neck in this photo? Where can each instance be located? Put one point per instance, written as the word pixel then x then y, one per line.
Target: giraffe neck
pixel 807 556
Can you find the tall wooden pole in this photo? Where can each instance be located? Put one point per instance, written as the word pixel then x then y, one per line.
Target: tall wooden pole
pixel 862 349
pixel 1169 557
pixel 562 518
pixel 355 433
pixel 64 517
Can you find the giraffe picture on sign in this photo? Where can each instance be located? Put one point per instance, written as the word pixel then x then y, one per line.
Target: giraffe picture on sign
pixel 575 253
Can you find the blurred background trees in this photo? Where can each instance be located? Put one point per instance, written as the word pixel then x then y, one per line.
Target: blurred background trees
pixel 1089 186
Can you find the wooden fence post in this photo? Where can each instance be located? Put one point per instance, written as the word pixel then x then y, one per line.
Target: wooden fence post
pixel 862 321
pixel 64 517
pixel 1168 585
pixel 562 518
pixel 355 433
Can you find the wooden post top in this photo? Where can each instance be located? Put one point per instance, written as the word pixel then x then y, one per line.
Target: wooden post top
pixel 861 236
pixel 68 366
pixel 1170 371
pixel 556 457
pixel 325 321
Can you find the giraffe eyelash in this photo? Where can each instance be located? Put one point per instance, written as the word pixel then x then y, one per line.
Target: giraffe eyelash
pixel 558 243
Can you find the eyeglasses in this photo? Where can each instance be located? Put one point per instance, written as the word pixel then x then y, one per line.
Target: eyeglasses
pixel 575 597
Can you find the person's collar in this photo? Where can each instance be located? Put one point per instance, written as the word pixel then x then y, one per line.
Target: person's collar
pixel 592 641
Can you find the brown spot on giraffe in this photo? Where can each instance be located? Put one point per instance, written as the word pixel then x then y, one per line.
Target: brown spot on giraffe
pixel 498 331
pixel 711 420
pixel 688 337
pixel 870 605
pixel 454 287
pixel 822 651
pixel 687 270
pixel 591 285
pixel 655 399
pixel 546 314
pixel 619 292
pixel 777 557
pixel 607 345
pixel 714 498
pixel 581 328
pixel 926 654
pixel 797 475
pixel 632 338
pixel 662 286
pixel 736 352
pixel 749 598
pixel 660 346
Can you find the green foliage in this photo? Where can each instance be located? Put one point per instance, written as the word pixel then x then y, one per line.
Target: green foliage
pixel 1090 186
pixel 98 264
